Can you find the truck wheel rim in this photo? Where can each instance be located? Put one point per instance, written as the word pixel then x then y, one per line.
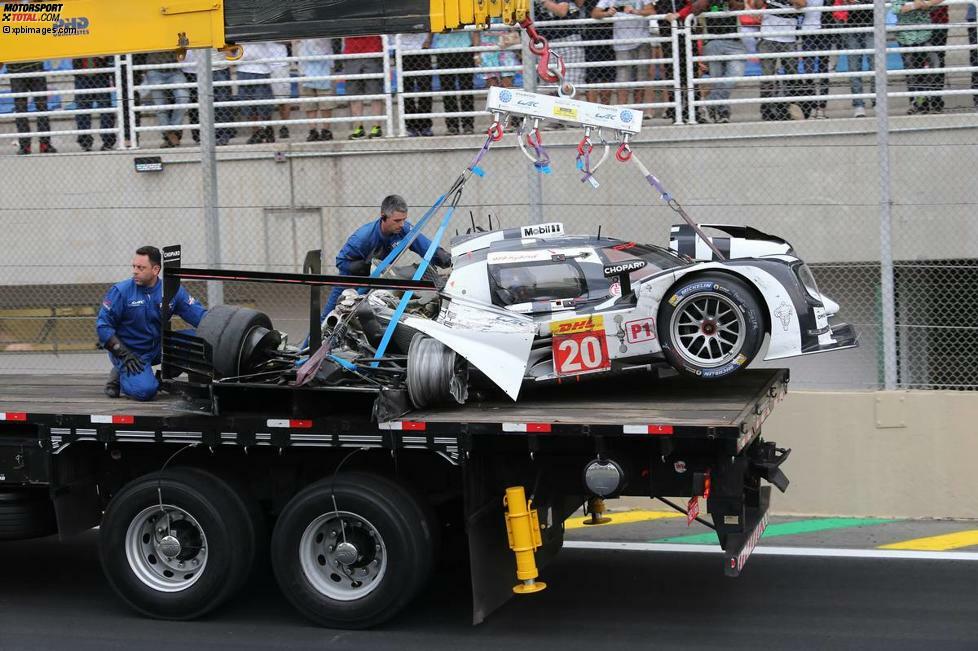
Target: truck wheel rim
pixel 343 555
pixel 708 329
pixel 166 549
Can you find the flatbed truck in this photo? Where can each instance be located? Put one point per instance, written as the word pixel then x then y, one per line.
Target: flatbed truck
pixel 352 514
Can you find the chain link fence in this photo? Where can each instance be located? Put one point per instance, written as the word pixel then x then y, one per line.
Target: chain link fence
pixel 69 223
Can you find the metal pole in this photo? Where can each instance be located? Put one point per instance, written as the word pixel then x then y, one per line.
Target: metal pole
pixel 131 98
pixel 534 183
pixel 208 172
pixel 399 67
pixel 120 104
pixel 388 105
pixel 888 322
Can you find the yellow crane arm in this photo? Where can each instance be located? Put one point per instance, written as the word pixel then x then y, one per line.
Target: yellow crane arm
pixel 33 31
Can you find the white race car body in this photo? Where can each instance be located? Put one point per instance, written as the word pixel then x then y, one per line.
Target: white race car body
pixel 533 304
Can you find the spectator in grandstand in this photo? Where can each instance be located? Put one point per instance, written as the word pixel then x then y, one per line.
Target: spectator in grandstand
pixel 372 65
pixel 281 84
pixel 222 93
pixel 596 53
pixel 937 58
pixel 719 26
pixel 916 12
pixel 85 81
pixel 169 76
pixel 973 52
pixel 564 39
pixel 778 38
pixel 128 325
pixel 451 82
pixel 814 64
pixel 417 83
pixel 859 40
pixel 316 88
pixel 500 57
pixel 627 49
pixel 31 84
pixel 256 74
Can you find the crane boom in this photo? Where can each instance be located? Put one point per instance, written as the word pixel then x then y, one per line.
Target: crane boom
pixel 35 31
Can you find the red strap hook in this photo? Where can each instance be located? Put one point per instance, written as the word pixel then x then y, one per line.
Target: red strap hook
pixel 495 132
pixel 624 153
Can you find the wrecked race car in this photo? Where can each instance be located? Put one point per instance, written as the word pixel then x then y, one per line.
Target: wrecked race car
pixel 534 305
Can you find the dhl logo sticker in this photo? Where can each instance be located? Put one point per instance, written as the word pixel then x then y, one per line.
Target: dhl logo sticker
pixel 582 324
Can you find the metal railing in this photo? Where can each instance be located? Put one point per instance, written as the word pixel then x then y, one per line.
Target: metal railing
pixel 666 74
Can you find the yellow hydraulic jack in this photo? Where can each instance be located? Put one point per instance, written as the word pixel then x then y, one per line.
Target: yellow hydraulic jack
pixel 523 529
pixel 595 506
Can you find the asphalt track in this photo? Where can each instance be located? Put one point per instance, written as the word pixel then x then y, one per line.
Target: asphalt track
pixel 52 596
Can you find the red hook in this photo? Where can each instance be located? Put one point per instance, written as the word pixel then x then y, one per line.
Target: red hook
pixel 585 146
pixel 495 132
pixel 543 68
pixel 624 153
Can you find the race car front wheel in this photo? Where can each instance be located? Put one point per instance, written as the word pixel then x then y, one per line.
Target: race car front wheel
pixel 710 326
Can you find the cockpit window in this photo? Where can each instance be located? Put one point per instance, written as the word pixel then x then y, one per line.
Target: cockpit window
pixel 528 282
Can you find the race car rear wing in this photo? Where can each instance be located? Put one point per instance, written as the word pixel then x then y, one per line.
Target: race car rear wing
pixel 174 272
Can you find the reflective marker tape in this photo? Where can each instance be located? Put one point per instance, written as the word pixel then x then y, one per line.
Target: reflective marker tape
pixel 20 416
pixel 114 420
pixel 647 429
pixel 527 427
pixel 288 423
pixel 403 425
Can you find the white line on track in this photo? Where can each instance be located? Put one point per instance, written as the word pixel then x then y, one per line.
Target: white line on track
pixel 887 554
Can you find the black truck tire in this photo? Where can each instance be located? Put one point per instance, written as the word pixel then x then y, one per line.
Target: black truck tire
pixel 26 514
pixel 357 564
pixel 226 328
pixel 208 528
pixel 710 325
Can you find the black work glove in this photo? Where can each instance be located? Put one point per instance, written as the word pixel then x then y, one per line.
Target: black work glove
pixel 130 361
pixel 442 258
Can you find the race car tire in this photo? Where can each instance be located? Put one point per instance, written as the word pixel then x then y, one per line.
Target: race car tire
pixel 26 514
pixel 228 328
pixel 185 561
pixel 351 551
pixel 710 325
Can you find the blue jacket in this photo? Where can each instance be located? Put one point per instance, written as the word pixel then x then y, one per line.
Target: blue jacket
pixel 368 242
pixel 132 313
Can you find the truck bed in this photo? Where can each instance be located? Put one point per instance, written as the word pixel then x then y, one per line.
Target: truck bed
pixel 602 406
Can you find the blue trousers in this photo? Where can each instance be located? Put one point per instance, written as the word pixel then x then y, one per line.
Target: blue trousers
pixel 141 386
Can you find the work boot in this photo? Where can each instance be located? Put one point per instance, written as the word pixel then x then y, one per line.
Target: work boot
pixel 112 386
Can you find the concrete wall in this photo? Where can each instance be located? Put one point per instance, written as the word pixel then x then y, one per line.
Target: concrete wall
pixel 815 183
pixel 906 454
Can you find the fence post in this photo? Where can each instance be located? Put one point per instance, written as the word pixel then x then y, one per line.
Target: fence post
pixel 388 104
pixel 690 86
pixel 131 100
pixel 399 67
pixel 208 172
pixel 120 104
pixel 888 320
pixel 534 184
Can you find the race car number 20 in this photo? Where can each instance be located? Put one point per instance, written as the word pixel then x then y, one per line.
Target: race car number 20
pixel 582 352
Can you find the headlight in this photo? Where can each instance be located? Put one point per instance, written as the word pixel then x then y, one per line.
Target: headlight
pixel 807 279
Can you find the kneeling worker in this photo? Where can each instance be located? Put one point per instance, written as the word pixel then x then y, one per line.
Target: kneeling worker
pixel 375 240
pixel 129 325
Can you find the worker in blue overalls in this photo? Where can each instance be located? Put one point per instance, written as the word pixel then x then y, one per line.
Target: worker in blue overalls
pixel 376 239
pixel 129 325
